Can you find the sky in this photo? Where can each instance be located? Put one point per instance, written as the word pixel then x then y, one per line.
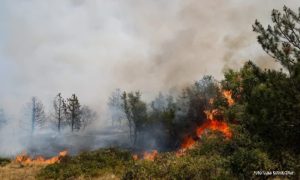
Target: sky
pixel 91 47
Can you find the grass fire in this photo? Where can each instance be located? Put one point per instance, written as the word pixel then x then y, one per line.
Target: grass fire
pixel 127 90
pixel 26 160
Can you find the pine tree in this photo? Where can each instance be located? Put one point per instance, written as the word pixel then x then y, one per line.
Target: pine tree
pixel 275 100
pixel 73 113
pixel 282 41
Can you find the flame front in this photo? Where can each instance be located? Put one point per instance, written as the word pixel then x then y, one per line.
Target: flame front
pixel 150 156
pixel 25 159
pixel 188 141
pixel 214 125
pixel 210 124
pixel 228 97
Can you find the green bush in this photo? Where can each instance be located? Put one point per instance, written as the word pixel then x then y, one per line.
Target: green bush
pixel 168 166
pixel 244 162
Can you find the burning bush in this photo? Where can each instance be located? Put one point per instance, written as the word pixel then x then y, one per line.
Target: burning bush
pixel 204 161
pixel 27 160
pixel 146 155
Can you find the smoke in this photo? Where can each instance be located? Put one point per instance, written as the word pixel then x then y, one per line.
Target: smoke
pixel 92 47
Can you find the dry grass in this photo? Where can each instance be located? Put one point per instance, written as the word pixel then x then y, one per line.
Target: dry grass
pixel 15 171
pixel 103 177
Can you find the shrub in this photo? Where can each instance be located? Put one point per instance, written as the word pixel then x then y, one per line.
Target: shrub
pixel 4 161
pixel 88 164
pixel 187 167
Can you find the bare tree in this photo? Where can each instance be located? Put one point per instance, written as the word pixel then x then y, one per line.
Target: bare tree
pixel 38 117
pixel 115 107
pixel 59 105
pixel 87 116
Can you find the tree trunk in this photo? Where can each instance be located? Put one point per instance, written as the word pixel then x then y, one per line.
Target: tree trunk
pixel 59 114
pixel 33 116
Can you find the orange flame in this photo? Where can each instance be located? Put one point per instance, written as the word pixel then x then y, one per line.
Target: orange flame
pixel 25 159
pixel 214 125
pixel 150 156
pixel 228 96
pixel 188 142
pixel 210 124
pixel 135 157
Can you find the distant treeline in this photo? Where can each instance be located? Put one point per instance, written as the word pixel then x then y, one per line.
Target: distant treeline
pixel 165 121
pixel 64 113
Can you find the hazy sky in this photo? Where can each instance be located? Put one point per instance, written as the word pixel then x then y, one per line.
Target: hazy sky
pixel 90 47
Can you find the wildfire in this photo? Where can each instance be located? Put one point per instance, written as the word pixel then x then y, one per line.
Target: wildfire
pixel 25 159
pixel 228 97
pixel 214 125
pixel 188 141
pixel 210 124
pixel 150 156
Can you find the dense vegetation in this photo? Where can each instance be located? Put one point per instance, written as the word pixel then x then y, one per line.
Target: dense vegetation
pixel 167 119
pixel 89 164
pixel 214 158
